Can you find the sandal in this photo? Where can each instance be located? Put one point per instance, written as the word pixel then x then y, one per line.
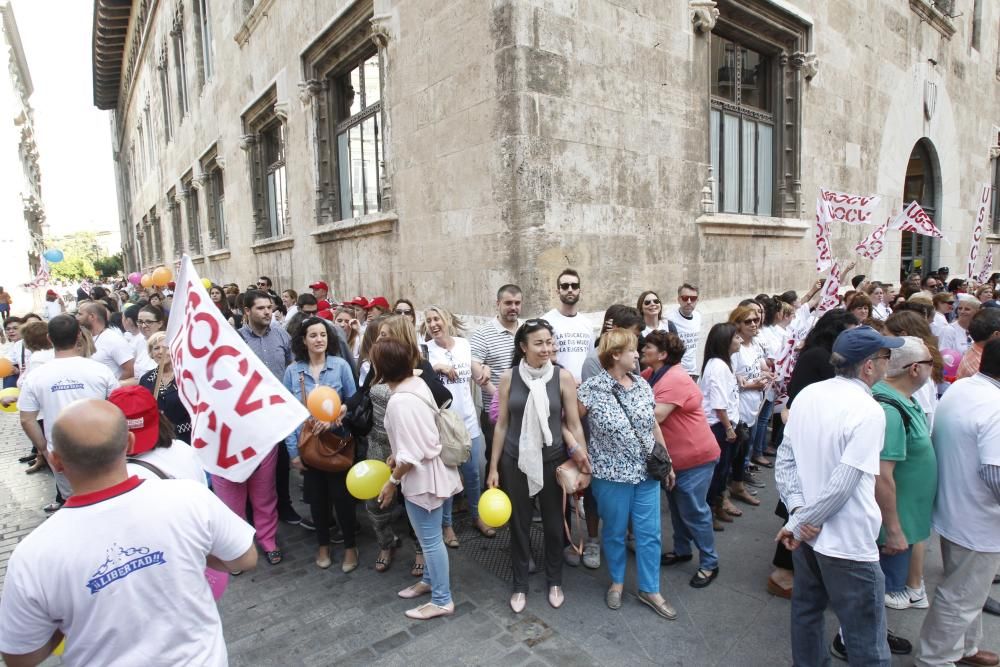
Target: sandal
pixel 670 558
pixel 744 496
pixel 383 562
pixel 761 461
pixel 486 531
pixel 273 557
pixel 703 577
pixel 417 570
pixel 729 508
pixel 427 611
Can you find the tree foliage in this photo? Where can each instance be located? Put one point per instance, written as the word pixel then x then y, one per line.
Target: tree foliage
pixel 83 257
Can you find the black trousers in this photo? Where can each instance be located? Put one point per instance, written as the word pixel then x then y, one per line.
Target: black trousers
pixel 782 556
pixel 327 493
pixel 281 472
pixel 515 484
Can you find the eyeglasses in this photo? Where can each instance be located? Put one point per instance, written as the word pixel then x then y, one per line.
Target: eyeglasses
pixel 538 321
pixel 929 362
pixel 569 286
pixel 885 355
pixel 752 320
pixel 403 311
pixel 688 299
pixel 146 322
pixel 950 303
pixel 261 284
pixel 651 302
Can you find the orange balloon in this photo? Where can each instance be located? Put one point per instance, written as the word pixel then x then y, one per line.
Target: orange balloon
pixel 162 276
pixel 6 368
pixel 324 404
pixel 146 280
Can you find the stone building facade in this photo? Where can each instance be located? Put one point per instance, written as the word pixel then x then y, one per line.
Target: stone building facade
pixel 21 210
pixel 437 149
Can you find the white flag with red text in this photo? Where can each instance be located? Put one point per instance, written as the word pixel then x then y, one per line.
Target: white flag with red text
pixel 914 219
pixel 852 209
pixel 239 410
pixel 831 291
pixel 824 251
pixel 874 243
pixel 977 229
pixel 984 275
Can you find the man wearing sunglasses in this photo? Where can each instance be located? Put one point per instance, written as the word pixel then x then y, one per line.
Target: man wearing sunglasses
pixel 688 323
pixel 573 334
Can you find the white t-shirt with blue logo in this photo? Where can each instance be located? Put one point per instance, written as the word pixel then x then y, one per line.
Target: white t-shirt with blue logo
pixel 49 388
pixel 121 572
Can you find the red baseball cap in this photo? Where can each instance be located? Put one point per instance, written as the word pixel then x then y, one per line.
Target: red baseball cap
pixel 358 301
pixel 378 302
pixel 325 314
pixel 51 292
pixel 141 413
pixel 319 284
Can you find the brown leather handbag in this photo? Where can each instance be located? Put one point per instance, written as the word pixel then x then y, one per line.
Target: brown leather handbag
pixel 325 451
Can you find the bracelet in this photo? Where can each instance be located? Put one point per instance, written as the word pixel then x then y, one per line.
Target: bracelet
pixel 571 449
pixel 394 481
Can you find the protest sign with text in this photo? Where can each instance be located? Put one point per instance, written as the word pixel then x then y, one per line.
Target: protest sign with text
pixel 874 243
pixel 824 251
pixel 238 409
pixel 984 275
pixel 914 219
pixel 852 209
pixel 977 229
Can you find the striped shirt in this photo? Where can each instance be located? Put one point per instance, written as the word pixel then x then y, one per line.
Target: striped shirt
pixel 493 345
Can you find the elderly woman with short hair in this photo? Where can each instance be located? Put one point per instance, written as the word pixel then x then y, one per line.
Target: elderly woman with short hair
pixel 160 382
pixel 618 405
pixel 956 335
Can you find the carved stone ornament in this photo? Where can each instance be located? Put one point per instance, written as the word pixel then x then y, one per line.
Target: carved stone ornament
pixel 380 29
pixel 281 111
pixel 704 14
pixel 308 91
pixel 994 152
pixel 930 99
pixel 221 161
pixel 708 193
pixel 247 141
pixel 199 180
pixel 807 62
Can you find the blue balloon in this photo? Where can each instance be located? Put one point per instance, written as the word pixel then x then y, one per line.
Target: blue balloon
pixel 53 255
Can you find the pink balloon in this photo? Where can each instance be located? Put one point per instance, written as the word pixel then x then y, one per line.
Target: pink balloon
pixel 951 359
pixel 217 581
pixel 134 278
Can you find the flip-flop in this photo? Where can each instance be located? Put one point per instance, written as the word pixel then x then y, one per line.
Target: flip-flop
pixel 417 570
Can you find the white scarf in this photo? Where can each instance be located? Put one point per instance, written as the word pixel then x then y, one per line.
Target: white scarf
pixel 535 432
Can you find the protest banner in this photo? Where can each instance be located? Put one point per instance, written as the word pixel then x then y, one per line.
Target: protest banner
pixel 238 409
pixel 831 291
pixel 914 219
pixel 852 209
pixel 824 252
pixel 984 275
pixel 977 229
pixel 874 243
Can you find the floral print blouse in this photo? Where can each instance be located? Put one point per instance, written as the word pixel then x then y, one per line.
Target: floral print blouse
pixel 621 429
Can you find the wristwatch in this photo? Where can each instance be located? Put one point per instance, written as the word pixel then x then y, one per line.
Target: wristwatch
pixel 394 481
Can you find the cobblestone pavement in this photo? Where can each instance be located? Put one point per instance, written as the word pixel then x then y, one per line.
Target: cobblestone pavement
pixel 295 614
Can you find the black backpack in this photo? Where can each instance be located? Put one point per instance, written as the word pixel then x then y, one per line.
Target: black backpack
pixel 887 400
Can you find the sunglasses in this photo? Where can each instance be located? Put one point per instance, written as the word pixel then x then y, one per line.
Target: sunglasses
pixel 752 320
pixel 651 302
pixel 950 303
pixel 569 286
pixel 536 322
pixel 688 299
pixel 403 311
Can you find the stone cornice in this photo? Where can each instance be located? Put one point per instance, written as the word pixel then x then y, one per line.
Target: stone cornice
pixel 934 17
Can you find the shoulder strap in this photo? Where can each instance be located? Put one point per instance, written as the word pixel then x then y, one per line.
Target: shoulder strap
pixel 888 400
pixel 429 404
pixel 628 418
pixel 148 466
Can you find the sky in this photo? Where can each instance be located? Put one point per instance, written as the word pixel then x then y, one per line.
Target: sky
pixel 73 136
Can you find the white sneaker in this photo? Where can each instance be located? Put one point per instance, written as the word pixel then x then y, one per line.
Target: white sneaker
pixel 592 554
pixel 918 597
pixel 897 600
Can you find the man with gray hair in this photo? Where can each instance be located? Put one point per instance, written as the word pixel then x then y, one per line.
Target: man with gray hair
pixel 123 549
pixel 825 473
pixel 907 477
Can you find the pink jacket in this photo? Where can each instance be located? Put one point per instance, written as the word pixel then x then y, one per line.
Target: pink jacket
pixel 413 436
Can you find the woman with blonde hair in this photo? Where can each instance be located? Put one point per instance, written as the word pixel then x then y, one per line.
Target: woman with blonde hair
pixel 753 376
pixel 450 356
pixel 160 382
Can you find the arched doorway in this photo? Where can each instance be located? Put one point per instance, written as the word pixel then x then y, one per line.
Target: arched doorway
pixel 922 185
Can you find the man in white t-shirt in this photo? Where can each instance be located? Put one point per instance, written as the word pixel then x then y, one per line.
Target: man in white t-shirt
pixel 573 334
pixel 51 387
pixel 966 516
pixel 123 549
pixel 112 349
pixel 825 474
pixel 53 304
pixel 688 323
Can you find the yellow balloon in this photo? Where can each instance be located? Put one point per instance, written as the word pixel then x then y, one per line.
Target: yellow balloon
pixel 161 276
pixel 61 648
pixel 10 392
pixel 494 508
pixel 366 478
pixel 146 280
pixel 206 283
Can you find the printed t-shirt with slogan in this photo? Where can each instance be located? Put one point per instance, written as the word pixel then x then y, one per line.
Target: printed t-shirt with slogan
pixel 574 338
pixel 109 559
pixel 53 386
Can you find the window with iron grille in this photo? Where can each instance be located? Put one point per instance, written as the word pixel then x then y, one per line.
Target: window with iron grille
pixel 204 46
pixel 215 198
pixel 264 142
pixel 192 212
pixel 176 224
pixel 357 95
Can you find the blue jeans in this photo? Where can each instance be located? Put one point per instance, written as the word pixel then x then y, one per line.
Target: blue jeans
pixel 758 438
pixel 427 525
pixel 896 568
pixel 691 515
pixel 470 482
pixel 617 502
pixel 856 592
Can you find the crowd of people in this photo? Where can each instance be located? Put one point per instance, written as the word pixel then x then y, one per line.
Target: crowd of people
pixel 888 439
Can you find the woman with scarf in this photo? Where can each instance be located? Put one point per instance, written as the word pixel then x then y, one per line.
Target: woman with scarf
pixel 539 427
pixel 618 405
